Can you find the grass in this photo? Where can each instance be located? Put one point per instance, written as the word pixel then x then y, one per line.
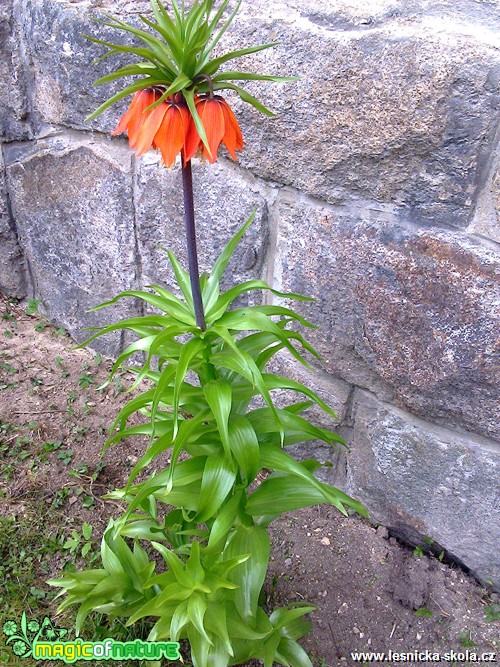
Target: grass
pixel 28 543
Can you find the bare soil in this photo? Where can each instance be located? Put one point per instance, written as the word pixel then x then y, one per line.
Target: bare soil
pixel 372 593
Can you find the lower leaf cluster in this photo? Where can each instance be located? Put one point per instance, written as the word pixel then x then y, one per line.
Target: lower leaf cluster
pixel 207 513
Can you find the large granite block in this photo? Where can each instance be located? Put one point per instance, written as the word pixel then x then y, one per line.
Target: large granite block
pixel 14 101
pixel 72 201
pixel 411 314
pixel 396 103
pixel 63 63
pixel 12 269
pixel 423 480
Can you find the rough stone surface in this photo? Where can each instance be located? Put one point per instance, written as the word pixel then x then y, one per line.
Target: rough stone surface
pixel 408 313
pixel 397 112
pixel 486 221
pixel 224 199
pixel 12 279
pixel 72 201
pixel 13 91
pixel 62 62
pixel 423 480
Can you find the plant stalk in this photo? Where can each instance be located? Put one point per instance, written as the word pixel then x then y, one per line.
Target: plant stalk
pixel 194 273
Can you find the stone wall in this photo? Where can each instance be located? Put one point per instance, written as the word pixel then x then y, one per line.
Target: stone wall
pixel 377 192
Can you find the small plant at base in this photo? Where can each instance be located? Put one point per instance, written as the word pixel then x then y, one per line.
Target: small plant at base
pixel 81 544
pixel 32 307
pixel 204 515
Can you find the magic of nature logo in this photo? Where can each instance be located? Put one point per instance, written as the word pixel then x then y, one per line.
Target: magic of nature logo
pixel 44 641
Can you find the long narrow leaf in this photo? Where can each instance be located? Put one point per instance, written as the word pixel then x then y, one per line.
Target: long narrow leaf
pixel 217 482
pixel 219 397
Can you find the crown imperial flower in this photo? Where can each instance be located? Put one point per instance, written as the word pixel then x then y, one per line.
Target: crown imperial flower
pixel 174 108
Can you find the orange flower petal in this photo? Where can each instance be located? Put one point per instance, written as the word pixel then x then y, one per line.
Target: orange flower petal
pixel 127 116
pixel 233 138
pixel 192 140
pixel 212 118
pixel 147 97
pixel 146 134
pixel 171 134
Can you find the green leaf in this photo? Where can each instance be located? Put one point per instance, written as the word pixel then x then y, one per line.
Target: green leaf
pixel 86 548
pixel 423 612
pixel 162 27
pixel 140 69
pixel 196 609
pixel 250 76
pixel 219 397
pixel 180 82
pixel 215 621
pixel 269 650
pixel 179 620
pixel 245 447
pixel 188 353
pixel 87 530
pixel 182 278
pixel 168 303
pixel 297 429
pixel 218 479
pixel 183 475
pixel 251 574
pixel 284 616
pixel 158 47
pixel 225 300
pixel 223 523
pixel 132 88
pixel 194 566
pixel 277 495
pixel 175 565
pixel 244 319
pixel 240 629
pixel 242 363
pixel 290 652
pixel 274 458
pixel 189 97
pixel 146 529
pixel 213 65
pixel 199 646
pixel 222 261
pixel 246 97
pixel 280 382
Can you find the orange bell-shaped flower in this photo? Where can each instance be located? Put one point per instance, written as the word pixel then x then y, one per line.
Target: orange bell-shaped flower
pixel 135 117
pixel 220 126
pixel 166 129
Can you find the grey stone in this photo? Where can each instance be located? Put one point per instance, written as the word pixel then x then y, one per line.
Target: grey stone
pixel 424 103
pixel 12 278
pixel 224 199
pixel 72 201
pixel 63 67
pixel 408 313
pixel 14 104
pixel 486 220
pixel 419 479
pixel 399 113
pixel 350 15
